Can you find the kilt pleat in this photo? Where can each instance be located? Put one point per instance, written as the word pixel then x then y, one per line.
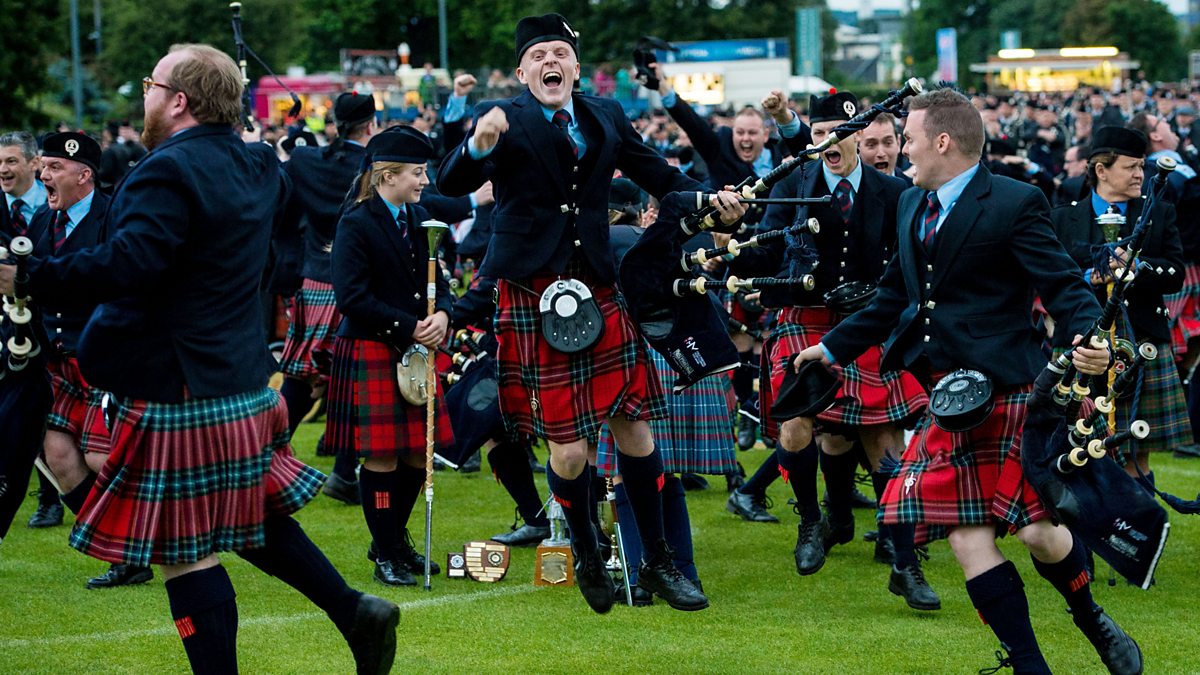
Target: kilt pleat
pixel 314 322
pixel 867 396
pixel 187 480
pixel 695 437
pixel 971 478
pixel 76 408
pixel 567 397
pixel 1184 308
pixel 366 415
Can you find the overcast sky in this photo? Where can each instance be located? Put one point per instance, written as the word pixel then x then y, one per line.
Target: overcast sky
pixel 1177 6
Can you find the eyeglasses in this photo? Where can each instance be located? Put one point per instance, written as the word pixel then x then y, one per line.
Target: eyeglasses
pixel 148 84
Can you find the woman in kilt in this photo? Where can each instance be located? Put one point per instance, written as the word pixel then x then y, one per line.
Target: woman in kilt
pixel 379 262
pixel 693 437
pixel 973 249
pixel 199 461
pixel 1115 175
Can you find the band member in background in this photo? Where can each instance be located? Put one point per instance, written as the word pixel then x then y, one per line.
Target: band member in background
pixel 973 249
pixel 550 156
pixel 1115 175
pixel 379 257
pixel 855 242
pixel 879 147
pixel 199 463
pixel 321 177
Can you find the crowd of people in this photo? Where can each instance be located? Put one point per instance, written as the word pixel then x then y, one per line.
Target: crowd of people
pixel 926 243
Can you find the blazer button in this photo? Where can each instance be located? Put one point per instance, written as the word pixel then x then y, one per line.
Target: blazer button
pixel 930 304
pixel 416 296
pixel 927 338
pixel 929 268
pixel 926 321
pixel 841 279
pixel 845 249
pixel 58 315
pixel 578 243
pixel 564 208
pixel 396 324
pixel 57 330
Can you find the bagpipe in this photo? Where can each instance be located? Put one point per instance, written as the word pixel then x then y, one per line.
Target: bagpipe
pixel 24 385
pixel 472 394
pixel 1075 462
pixel 671 300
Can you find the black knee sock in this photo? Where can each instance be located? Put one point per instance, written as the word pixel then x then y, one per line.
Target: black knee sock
pixel 204 608
pixel 766 474
pixel 75 497
pixel 631 541
pixel 1193 404
pixel 378 504
pixel 999 596
pixel 598 492
pixel 291 557
pixel 799 469
pixel 642 477
pixel 879 485
pixel 839 483
pixel 344 466
pixel 678 526
pixel 47 495
pixel 408 488
pixel 574 495
pixel 510 464
pixel 298 396
pixel 743 377
pixel 1070 578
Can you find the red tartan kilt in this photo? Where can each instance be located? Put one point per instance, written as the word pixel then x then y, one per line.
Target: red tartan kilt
pixel 187 480
pixel 740 313
pixel 366 414
pixel 314 322
pixel 76 409
pixel 1184 308
pixel 567 397
pixel 867 397
pixel 974 478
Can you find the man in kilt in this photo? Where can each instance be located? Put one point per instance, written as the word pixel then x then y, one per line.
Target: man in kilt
pixel 550 156
pixel 972 250
pixel 321 177
pixel 73 220
pixel 200 462
pixel 855 241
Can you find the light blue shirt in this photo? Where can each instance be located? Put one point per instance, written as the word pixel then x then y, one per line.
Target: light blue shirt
pixel 1099 206
pixel 948 196
pixel 456 109
pixel 395 211
pixel 832 179
pixel 572 130
pixel 32 200
pixel 78 211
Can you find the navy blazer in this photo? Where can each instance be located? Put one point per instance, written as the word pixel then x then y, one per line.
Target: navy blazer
pixel 320 181
pixel 178 277
pixel 537 215
pixel 64 322
pixel 854 251
pixel 971 304
pixel 1076 228
pixel 379 276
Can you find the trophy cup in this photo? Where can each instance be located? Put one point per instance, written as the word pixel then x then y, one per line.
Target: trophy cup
pixel 611 527
pixel 554 564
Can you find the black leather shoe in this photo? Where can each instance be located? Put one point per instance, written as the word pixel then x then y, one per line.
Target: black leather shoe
pixel 641 596
pixel 838 533
pixel 594 581
pixel 910 584
pixel 1119 652
pixel 746 435
pixel 394 573
pixel 885 550
pixel 858 500
pixel 472 464
pixel 659 575
pixel 750 507
pixel 1190 451
pixel 406 555
pixel 121 575
pixel 534 464
pixel 769 443
pixel 525 535
pixel 692 482
pixel 372 636
pixel 46 515
pixel 342 490
pixel 810 546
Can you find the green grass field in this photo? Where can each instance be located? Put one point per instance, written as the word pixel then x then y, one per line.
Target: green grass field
pixel 763 618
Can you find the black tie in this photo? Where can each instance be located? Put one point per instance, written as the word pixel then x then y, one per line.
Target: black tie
pixel 20 226
pixel 562 120
pixel 60 229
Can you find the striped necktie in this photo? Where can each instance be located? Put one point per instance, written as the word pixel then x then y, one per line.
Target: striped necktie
pixel 845 202
pixel 933 209
pixel 562 119
pixel 20 226
pixel 60 229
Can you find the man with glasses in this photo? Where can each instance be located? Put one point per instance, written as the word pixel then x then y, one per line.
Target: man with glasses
pixel 199 462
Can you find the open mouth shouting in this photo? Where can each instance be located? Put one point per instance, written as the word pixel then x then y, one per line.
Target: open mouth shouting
pixel 552 80
pixel 52 196
pixel 833 158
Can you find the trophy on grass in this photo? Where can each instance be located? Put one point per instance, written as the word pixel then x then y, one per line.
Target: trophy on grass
pixel 611 527
pixel 554 564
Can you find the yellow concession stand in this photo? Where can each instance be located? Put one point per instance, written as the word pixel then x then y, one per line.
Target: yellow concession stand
pixel 1066 69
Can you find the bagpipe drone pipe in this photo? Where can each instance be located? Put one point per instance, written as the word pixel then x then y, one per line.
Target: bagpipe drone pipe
pixel 24 386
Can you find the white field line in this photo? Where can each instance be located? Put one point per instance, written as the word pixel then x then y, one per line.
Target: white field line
pixel 269 621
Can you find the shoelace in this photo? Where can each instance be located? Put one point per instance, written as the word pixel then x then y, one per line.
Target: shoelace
pixel 765 502
pixel 1002 657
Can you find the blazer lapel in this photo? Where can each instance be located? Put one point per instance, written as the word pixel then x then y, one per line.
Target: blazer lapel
pixel 597 149
pixel 870 204
pixel 391 232
pixel 956 229
pixel 906 240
